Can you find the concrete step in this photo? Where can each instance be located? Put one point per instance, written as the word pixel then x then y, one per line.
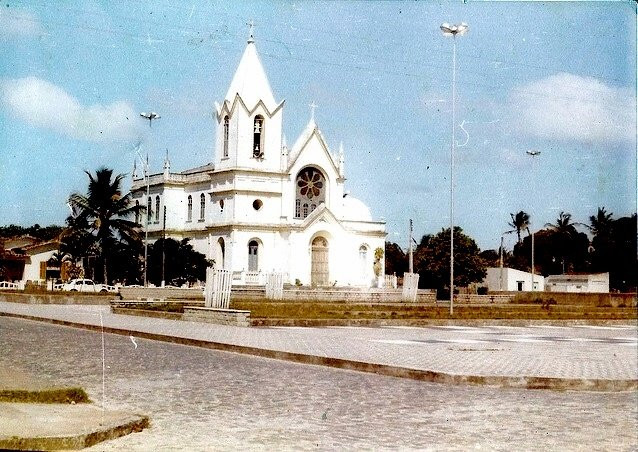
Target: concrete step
pixel 36 426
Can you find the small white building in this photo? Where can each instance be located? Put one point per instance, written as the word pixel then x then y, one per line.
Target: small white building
pixel 261 206
pixel 591 283
pixel 512 280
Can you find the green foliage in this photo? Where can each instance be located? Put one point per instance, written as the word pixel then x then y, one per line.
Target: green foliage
pixel 432 260
pixel 99 224
pixel 181 263
pixel 42 233
pixel 396 261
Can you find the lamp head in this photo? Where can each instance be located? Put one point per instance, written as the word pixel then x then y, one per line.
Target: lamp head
pixel 453 30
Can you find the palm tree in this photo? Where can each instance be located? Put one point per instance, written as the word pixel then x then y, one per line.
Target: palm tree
pixel 104 211
pixel 520 222
pixel 600 224
pixel 563 225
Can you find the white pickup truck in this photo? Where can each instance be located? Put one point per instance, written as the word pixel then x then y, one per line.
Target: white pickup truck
pixel 87 285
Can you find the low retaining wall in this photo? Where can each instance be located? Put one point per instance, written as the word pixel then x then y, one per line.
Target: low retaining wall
pixel 55 298
pixel 482 299
pixel 218 316
pixel 334 294
pixel 584 299
pixel 160 293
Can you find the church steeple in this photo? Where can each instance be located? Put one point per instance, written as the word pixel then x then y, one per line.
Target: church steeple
pixel 250 80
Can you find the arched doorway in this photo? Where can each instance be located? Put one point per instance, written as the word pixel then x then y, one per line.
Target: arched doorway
pixel 253 256
pixel 221 253
pixel 319 270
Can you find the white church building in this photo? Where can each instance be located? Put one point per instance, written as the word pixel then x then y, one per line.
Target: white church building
pixel 261 206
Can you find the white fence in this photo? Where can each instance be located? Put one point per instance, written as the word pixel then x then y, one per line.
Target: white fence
pixel 275 286
pixel 217 292
pixel 390 282
pixel 410 286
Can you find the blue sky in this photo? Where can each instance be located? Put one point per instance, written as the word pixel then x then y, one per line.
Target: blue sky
pixel 558 77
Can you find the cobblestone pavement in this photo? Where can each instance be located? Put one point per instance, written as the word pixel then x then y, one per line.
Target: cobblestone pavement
pixel 201 399
pixel 578 352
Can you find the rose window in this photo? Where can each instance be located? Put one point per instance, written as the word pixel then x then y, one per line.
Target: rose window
pixel 310 183
pixel 310 186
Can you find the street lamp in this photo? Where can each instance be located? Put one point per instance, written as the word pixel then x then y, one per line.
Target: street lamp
pixel 151 117
pixel 453 30
pixel 533 154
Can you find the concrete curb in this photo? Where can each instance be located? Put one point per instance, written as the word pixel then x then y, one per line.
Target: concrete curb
pixel 45 395
pixel 526 382
pixel 35 434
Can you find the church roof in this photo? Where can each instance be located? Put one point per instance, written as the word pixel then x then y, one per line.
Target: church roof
pixel 300 144
pixel 199 169
pixel 250 81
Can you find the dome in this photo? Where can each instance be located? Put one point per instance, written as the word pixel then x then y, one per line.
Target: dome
pixel 356 210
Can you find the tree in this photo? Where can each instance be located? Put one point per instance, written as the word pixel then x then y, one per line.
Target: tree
pixel 520 222
pixel 181 262
pixel 432 260
pixel 570 246
pixel 601 223
pixel 103 212
pixel 396 261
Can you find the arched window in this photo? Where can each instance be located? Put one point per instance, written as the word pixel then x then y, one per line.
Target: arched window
pixel 149 210
pixel 363 261
pixel 137 212
pixel 157 208
pixel 253 256
pixel 189 217
pixel 258 137
pixel 202 206
pixel 226 125
pixel 310 191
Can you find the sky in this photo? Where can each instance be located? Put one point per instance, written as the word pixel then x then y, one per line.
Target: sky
pixel 554 77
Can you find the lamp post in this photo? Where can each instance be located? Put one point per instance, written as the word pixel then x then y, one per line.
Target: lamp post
pixel 533 154
pixel 453 30
pixel 151 116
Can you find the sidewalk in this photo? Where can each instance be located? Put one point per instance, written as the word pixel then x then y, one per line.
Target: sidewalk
pixel 548 357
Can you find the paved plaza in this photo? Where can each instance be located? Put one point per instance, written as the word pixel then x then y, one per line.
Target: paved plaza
pixel 201 399
pixel 601 353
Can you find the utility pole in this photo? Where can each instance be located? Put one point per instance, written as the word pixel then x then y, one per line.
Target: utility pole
pixel 533 154
pixel 150 117
pixel 164 246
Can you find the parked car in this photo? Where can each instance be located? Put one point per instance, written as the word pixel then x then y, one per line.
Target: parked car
pixel 87 285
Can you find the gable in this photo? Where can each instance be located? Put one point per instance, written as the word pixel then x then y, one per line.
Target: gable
pixel 313 150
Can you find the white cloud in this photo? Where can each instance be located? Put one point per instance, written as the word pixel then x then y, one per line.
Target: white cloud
pixel 16 22
pixel 44 104
pixel 568 107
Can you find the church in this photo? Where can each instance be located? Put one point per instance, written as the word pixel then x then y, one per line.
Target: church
pixel 261 206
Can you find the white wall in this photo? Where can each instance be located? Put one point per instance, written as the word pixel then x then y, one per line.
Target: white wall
pixel 510 280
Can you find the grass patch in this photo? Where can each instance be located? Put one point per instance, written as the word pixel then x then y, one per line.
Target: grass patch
pixel 62 395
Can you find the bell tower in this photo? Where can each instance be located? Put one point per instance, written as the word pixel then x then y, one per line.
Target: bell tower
pixel 249 120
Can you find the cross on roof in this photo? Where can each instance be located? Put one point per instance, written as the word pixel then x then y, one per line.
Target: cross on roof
pixel 312 106
pixel 251 24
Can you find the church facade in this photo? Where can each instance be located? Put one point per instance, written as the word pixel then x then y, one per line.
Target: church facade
pixel 261 206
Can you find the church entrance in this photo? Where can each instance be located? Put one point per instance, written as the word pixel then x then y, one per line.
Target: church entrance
pixel 319 274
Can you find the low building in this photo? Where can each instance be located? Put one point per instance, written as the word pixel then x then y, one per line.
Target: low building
pixel 590 283
pixel 24 259
pixel 512 280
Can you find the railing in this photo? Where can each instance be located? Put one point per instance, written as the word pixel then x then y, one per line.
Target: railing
pixel 7 285
pixel 252 278
pixel 390 282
